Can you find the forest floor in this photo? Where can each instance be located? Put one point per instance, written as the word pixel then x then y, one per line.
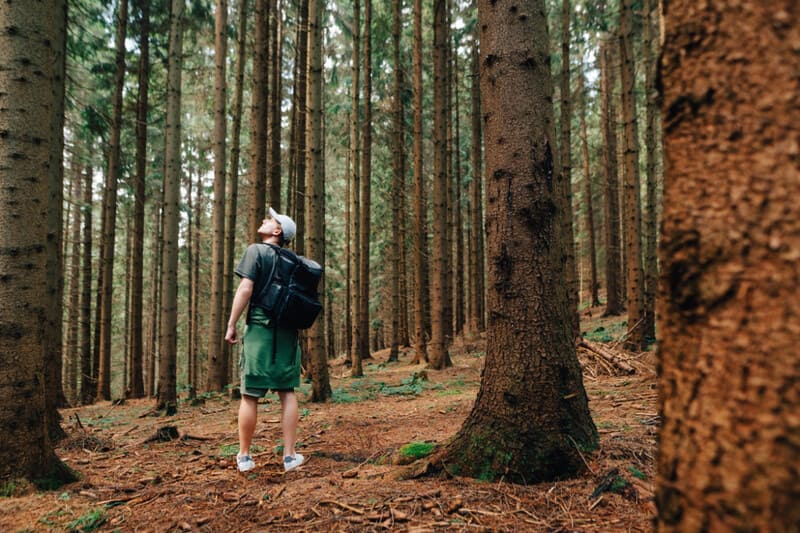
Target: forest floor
pixel 131 483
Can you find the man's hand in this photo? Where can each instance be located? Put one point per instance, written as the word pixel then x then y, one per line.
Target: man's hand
pixel 231 336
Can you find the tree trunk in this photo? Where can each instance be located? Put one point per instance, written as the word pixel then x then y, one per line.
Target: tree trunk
pixel 476 258
pixel 458 235
pixel 137 291
pixel 258 121
pixel 191 236
pixel 275 108
pixel 87 387
pixel 587 184
pixel 153 332
pixel 611 197
pixel 530 355
pixel 439 357
pixel 355 186
pixel 566 172
pixel 299 136
pixel 397 180
pixel 167 391
pixel 110 210
pixel 420 211
pixel 71 352
pixel 633 209
pixel 315 187
pixel 366 191
pixel 232 196
pixel 28 119
pixel 194 264
pixel 217 363
pixel 650 223
pixel 729 310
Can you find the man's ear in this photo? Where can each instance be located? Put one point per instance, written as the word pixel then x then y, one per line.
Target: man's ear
pixel 277 231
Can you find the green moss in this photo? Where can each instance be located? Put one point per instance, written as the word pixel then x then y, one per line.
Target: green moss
pixel 637 473
pixel 417 450
pixel 88 522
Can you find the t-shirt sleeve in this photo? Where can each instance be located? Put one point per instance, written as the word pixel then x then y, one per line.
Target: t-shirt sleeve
pixel 250 266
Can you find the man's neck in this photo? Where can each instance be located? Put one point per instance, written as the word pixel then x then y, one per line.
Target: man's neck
pixel 271 240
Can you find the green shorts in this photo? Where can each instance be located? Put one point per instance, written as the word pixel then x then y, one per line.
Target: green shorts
pixel 270 357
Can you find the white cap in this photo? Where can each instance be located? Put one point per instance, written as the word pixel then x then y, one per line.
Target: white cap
pixel 288 227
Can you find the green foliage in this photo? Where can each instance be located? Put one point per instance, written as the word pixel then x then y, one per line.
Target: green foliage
pixel 91 521
pixel 637 473
pixel 230 450
pixel 417 450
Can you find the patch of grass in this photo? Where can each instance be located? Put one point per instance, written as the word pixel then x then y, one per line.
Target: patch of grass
pixel 230 450
pixel 637 473
pixel 342 396
pixel 88 522
pixel 417 450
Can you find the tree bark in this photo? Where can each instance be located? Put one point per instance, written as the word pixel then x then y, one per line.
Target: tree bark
pixel 530 355
pixel 355 186
pixel 167 390
pixel 650 222
pixel 363 346
pixel 478 292
pixel 397 180
pixel 729 305
pixel 87 387
pixel 217 363
pixel 258 121
pixel 110 210
pixel 137 290
pixel 275 108
pixel 315 186
pixel 588 198
pixel 439 358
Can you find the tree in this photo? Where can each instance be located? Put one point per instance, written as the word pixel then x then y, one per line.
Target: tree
pixel 632 190
pixel 29 77
pixel 439 357
pixel 397 180
pixel 476 259
pixel 366 191
pixel 587 187
pixel 315 186
pixel 137 282
pixel 275 107
pixel 355 189
pixel 729 306
pixel 87 387
pixel 110 210
pixel 217 376
pixel 530 354
pixel 167 392
pixel 258 120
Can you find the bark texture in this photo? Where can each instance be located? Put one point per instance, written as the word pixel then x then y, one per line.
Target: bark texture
pixel 530 356
pixel 729 297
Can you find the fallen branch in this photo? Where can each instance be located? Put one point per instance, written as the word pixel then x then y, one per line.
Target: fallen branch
pixel 343 506
pixel 607 355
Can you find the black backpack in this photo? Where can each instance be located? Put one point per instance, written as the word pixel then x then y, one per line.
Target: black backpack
pixel 289 296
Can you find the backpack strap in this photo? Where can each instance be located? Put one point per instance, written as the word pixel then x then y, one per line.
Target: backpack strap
pixel 256 295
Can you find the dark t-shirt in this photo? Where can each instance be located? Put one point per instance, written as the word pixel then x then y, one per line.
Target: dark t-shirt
pixel 256 265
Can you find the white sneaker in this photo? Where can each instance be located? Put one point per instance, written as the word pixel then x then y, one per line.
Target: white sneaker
pixel 290 463
pixel 245 463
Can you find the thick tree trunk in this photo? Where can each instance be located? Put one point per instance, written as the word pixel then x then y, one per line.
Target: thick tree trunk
pixel 729 300
pixel 633 208
pixel 315 186
pixel 167 390
pixel 28 116
pixel 530 355
pixel 439 358
pixel 611 193
pixel 137 290
pixel 258 121
pixel 217 363
pixel 110 210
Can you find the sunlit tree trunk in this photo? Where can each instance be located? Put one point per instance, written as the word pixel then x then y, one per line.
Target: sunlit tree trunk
pixel 315 187
pixel 258 121
pixel 137 260
pixel 439 357
pixel 110 210
pixel 217 376
pixel 729 305
pixel 167 390
pixel 530 353
pixel 633 209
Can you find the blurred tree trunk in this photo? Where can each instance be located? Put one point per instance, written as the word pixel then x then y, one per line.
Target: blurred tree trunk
pixel 167 389
pixel 729 310
pixel 258 121
pixel 315 187
pixel 565 181
pixel 137 290
pixel 439 358
pixel 110 210
pixel 633 208
pixel 530 353
pixel 217 367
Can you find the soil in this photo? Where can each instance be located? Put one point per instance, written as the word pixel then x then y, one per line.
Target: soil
pixel 131 481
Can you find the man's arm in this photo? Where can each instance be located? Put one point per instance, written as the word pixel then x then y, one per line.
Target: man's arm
pixel 240 301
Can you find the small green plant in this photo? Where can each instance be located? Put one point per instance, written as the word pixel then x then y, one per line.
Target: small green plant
pixel 8 489
pixel 230 450
pixel 88 522
pixel 417 450
pixel 342 396
pixel 637 473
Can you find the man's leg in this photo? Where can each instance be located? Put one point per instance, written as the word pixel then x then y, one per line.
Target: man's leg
pixel 289 417
pixel 248 411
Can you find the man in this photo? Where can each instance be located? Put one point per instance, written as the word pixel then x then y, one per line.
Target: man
pixel 270 355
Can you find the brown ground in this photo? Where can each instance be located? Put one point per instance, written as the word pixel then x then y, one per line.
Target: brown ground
pixel 191 484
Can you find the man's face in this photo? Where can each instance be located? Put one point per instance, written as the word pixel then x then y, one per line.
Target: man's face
pixel 268 226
